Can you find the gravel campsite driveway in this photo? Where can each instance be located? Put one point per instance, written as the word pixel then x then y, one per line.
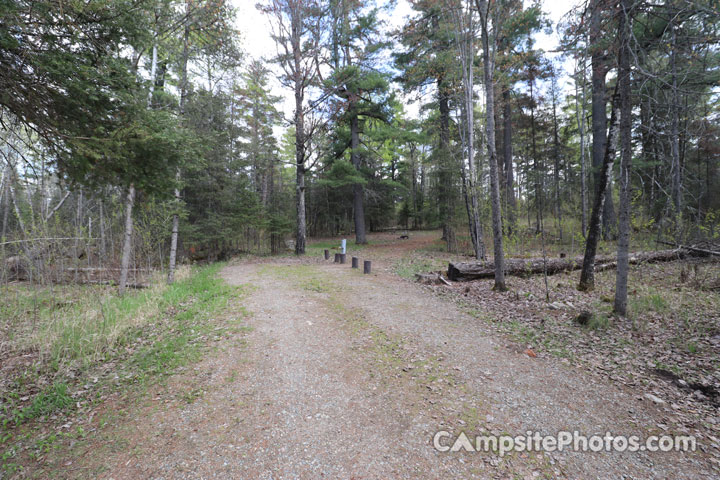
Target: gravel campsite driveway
pixel 348 376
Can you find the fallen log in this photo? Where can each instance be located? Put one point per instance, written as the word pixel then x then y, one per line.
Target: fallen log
pixel 692 248
pixel 520 267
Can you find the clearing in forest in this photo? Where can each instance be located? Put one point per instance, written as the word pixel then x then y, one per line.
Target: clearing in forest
pixel 342 375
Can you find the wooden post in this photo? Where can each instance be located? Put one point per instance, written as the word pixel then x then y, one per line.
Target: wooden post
pixel 342 257
pixel 355 262
pixel 366 266
pixel 327 254
pixel 337 258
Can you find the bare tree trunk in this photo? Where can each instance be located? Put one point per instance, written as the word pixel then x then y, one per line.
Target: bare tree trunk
pixel 103 241
pixel 675 167
pixel 78 230
pixel 465 37
pixel 587 274
pixel 174 236
pixel 6 198
pixel 580 114
pixel 183 98
pixel 488 66
pixel 445 178
pixel 127 243
pixel 556 161
pixel 358 207
pixel 621 278
pixel 599 115
pixel 537 169
pixel 18 215
pixel 508 160
pixel 300 140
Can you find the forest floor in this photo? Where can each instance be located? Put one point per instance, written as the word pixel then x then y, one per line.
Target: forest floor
pixel 336 374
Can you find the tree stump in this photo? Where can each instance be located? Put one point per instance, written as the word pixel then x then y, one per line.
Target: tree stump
pixel 337 258
pixel 355 262
pixel 342 257
pixel 327 254
pixel 366 266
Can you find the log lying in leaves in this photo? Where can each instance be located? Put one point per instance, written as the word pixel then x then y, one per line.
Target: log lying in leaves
pixel 520 267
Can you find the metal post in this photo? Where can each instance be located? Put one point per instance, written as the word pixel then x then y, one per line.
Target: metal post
pixel 355 262
pixel 366 266
pixel 327 254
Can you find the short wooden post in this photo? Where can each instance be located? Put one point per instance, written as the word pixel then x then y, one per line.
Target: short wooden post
pixel 355 262
pixel 327 254
pixel 337 258
pixel 366 266
pixel 342 257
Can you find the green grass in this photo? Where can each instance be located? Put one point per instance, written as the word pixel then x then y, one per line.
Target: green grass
pixel 652 302
pixel 147 335
pixel 407 267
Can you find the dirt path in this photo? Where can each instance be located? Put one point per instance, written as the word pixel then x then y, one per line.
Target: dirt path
pixel 347 375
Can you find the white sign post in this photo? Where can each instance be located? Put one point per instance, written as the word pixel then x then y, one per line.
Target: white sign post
pixel 343 244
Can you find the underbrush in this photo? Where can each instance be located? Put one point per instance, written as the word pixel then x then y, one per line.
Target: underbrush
pixel 69 351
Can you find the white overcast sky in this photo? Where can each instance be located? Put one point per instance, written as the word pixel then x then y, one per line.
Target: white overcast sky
pixel 257 43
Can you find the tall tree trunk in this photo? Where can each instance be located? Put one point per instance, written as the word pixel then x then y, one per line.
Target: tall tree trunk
pixel 295 40
pixel 103 241
pixel 675 166
pixel 488 67
pixel 556 162
pixel 465 38
pixel 78 231
pixel 587 274
pixel 127 243
pixel 580 114
pixel 6 202
pixel 599 104
pixel 414 185
pixel 183 98
pixel 445 177
pixel 18 215
pixel 537 168
pixel 508 161
pixel 621 278
pixel 358 207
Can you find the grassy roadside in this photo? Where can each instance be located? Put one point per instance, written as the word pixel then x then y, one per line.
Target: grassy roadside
pixel 91 344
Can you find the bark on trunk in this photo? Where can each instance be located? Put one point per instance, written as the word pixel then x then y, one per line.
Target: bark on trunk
pixel 183 97
pixel 127 244
pixel 445 178
pixel 599 115
pixel 587 275
pixel 580 114
pixel 537 169
pixel 299 85
pixel 358 207
pixel 675 168
pixel 556 163
pixel 6 210
pixel 488 66
pixel 508 160
pixel 465 39
pixel 103 242
pixel 621 279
